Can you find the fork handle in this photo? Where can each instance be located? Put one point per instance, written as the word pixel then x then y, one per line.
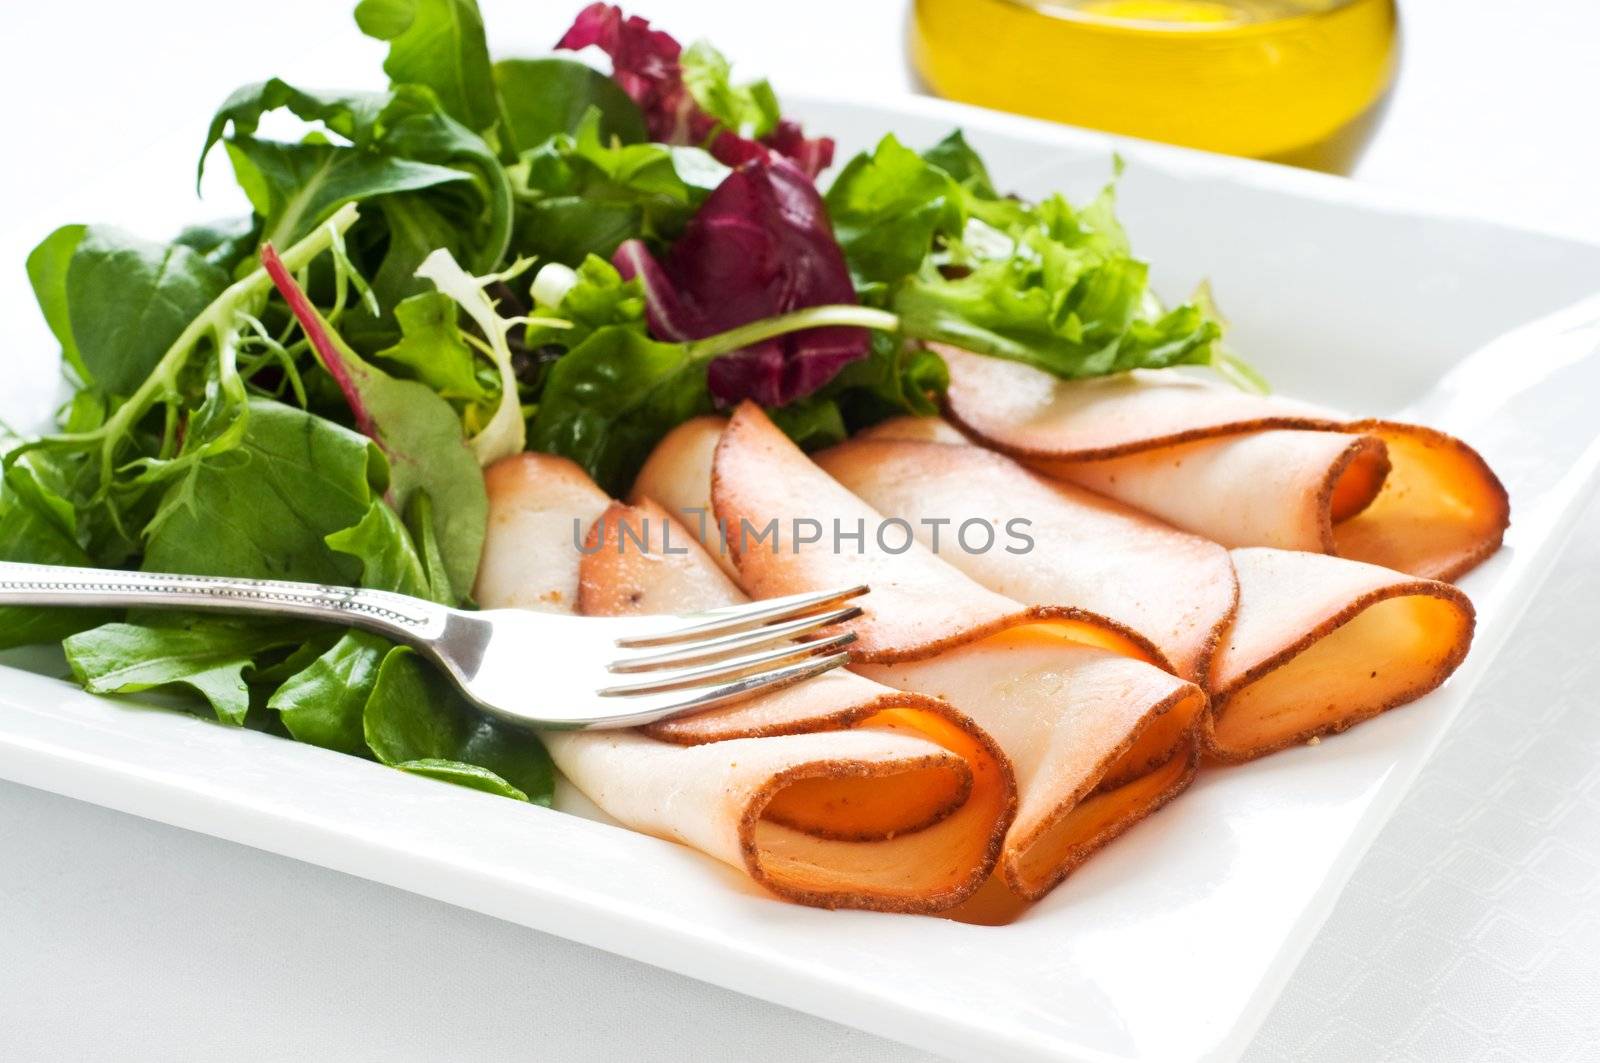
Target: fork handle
pixel 398 615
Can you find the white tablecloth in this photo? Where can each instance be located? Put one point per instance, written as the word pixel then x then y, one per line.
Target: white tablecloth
pixel 1471 931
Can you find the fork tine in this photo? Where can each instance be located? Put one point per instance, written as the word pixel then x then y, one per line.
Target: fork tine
pixel 736 618
pixel 643 711
pixel 735 668
pixel 718 648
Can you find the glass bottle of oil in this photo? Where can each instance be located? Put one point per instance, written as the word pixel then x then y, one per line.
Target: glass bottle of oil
pixel 1265 78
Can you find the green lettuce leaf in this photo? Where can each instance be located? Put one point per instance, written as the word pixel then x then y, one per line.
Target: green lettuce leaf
pixel 965 166
pixel 433 349
pixel 1049 284
pixel 887 208
pixel 750 110
pixel 598 297
pixel 582 194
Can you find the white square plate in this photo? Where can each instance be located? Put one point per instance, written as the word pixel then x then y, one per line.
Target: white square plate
pixel 1171 944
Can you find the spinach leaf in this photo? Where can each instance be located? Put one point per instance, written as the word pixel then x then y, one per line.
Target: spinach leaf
pixel 471 776
pixel 225 244
pixel 47 272
pixel 611 399
pixel 265 509
pixel 544 97
pixel 415 719
pixel 439 44
pixel 208 655
pixel 120 302
pixel 32 529
pixel 356 116
pixel 323 703
pixel 437 183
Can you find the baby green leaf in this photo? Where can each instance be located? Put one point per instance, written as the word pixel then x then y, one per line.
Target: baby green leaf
pixel 208 655
pixel 749 110
pixel 265 509
pixel 295 187
pixel 887 208
pixel 543 97
pixel 433 349
pixel 611 399
pixel 439 44
pixel 47 272
pixel 415 714
pixel 471 776
pixel 389 561
pixel 126 301
pixel 323 704
pixel 31 530
pixel 583 194
pixel 505 433
pixel 418 431
pixel 965 166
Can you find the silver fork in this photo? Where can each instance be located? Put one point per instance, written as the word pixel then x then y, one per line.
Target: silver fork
pixel 538 669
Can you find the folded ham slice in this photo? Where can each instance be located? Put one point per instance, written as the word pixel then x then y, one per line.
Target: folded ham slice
pixel 1098 736
pixel 1317 643
pixel 838 792
pixel 1170 591
pixel 1321 643
pixel 1243 470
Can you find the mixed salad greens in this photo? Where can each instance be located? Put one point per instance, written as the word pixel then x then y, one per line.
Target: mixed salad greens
pixel 487 257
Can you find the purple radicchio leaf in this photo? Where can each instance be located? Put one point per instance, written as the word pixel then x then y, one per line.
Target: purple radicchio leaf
pixel 645 62
pixel 758 247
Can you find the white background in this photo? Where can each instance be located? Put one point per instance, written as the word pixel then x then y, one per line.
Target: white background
pixel 1472 931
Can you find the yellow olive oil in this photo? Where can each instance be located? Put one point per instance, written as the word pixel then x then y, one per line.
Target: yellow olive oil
pixel 1247 77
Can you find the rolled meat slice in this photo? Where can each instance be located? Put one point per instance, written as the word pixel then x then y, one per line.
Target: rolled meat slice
pixel 1243 470
pixel 1321 643
pixel 1042 542
pixel 1317 643
pixel 837 792
pixel 1099 738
